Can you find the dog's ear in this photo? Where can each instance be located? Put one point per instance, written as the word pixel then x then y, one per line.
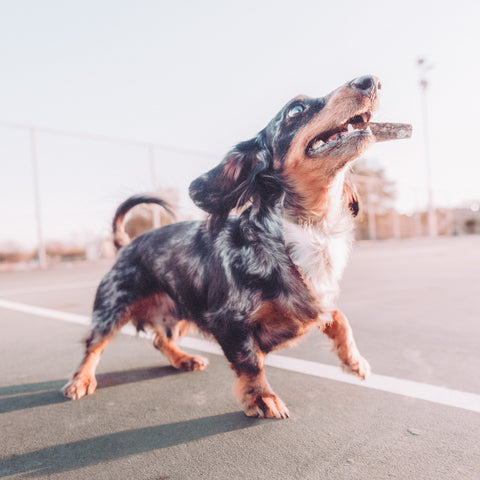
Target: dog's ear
pixel 351 196
pixel 235 181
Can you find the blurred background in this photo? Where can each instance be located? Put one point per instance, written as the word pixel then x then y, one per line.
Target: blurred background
pixel 102 99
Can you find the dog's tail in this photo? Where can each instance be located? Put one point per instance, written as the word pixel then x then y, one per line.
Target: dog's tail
pixel 120 236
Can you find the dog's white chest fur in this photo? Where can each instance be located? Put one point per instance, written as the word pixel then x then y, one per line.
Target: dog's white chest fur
pixel 320 253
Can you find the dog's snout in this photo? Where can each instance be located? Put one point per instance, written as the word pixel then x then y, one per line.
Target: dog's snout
pixel 367 84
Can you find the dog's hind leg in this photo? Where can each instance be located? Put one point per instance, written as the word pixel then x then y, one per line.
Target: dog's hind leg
pixel 158 312
pixel 110 313
pixel 340 332
pixel 166 342
pixel 83 381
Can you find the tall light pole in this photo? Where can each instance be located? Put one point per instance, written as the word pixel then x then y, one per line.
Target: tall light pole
pixel 432 217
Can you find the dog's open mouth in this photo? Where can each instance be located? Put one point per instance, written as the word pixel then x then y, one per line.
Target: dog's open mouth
pixel 355 126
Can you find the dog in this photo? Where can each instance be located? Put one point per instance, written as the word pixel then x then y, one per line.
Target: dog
pixel 262 278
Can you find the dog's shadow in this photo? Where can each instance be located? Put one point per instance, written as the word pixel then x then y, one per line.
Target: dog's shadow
pixel 20 397
pixel 82 453
pixel 74 455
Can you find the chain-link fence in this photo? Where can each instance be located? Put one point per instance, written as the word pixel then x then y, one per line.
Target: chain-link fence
pixel 59 190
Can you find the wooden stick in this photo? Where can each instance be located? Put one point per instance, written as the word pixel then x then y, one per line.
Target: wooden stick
pixel 388 131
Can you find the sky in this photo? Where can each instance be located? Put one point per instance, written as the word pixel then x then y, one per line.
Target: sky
pixel 204 75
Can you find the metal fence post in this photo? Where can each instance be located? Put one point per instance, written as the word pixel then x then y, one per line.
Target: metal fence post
pixel 372 227
pixel 156 220
pixel 396 224
pixel 42 253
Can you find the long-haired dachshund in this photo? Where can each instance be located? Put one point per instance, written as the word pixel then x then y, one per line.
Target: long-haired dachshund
pixel 257 280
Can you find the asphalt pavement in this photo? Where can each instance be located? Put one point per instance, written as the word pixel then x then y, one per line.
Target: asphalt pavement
pixel 414 308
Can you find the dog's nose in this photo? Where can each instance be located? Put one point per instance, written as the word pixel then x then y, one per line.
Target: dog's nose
pixel 366 84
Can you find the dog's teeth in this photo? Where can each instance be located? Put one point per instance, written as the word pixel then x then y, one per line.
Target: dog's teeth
pixel 350 128
pixel 318 143
pixel 368 129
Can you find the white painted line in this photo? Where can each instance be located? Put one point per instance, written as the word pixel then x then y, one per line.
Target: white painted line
pixel 45 312
pixel 408 388
pixel 49 288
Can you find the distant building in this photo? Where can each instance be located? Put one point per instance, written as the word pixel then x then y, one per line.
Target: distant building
pixel 391 224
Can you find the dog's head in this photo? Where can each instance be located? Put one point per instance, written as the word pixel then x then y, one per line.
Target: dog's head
pixel 297 157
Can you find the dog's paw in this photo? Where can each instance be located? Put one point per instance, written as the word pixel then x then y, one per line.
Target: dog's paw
pixel 78 387
pixel 358 366
pixel 189 363
pixel 266 405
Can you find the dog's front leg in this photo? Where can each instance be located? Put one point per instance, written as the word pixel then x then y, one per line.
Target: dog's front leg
pixel 251 388
pixel 256 395
pixel 339 330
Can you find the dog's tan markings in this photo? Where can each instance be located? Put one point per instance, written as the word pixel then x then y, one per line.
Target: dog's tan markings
pixel 178 358
pixel 83 381
pixel 340 332
pixel 313 177
pixel 340 105
pixel 310 186
pixel 257 397
pixel 275 329
pixel 156 312
pixel 351 196
pixel 153 310
pixel 344 102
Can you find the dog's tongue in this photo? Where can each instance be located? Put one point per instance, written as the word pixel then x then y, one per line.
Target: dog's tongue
pixel 334 136
pixel 388 131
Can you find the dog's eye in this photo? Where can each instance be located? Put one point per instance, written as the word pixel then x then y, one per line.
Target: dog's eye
pixel 295 110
